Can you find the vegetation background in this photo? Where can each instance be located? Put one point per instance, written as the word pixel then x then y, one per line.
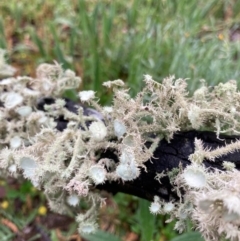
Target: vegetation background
pixel 105 40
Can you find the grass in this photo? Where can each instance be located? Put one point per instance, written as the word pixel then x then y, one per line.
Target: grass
pixel 106 40
pixel 124 39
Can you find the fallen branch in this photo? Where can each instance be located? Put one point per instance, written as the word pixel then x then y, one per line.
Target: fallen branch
pixel 167 157
pixel 162 145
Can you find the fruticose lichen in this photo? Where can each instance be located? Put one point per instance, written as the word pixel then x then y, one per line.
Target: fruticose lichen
pixel 66 165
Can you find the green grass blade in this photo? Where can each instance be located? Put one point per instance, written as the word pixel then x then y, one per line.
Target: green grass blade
pixel 189 237
pixel 147 221
pixel 100 236
pixel 3 44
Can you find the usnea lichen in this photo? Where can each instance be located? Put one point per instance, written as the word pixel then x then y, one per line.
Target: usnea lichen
pixel 66 165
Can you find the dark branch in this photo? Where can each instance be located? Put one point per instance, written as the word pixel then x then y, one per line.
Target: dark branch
pixel 168 156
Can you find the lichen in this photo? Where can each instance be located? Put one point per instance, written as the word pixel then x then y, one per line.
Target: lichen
pixel 67 165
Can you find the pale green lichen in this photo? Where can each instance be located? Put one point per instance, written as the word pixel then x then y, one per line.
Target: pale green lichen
pixel 67 165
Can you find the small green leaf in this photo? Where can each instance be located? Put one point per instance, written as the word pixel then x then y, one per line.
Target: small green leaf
pixel 71 94
pixel 12 194
pixel 147 221
pixel 196 236
pixel 100 236
pixel 26 187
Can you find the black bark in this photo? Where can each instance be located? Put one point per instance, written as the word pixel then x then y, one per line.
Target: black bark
pixel 168 156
